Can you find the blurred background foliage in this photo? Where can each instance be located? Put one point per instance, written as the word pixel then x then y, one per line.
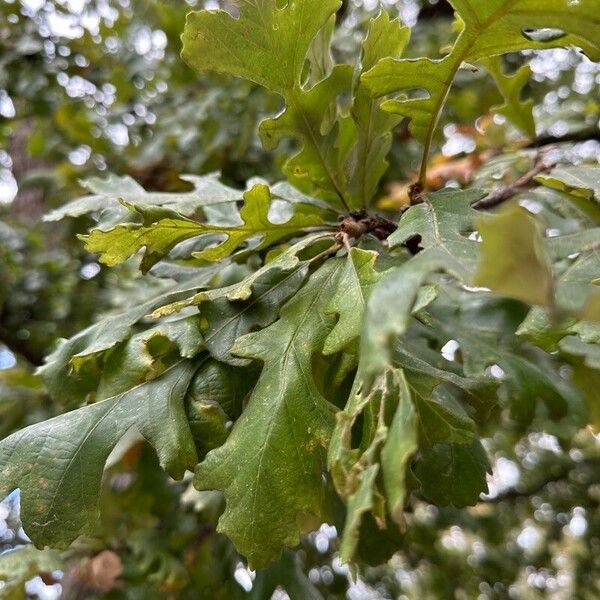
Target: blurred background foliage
pixel 93 86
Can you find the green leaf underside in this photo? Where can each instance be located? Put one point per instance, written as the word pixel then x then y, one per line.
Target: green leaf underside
pixel 575 291
pixel 443 222
pixel 208 190
pixel 589 351
pixel 349 301
pixel 341 458
pixel 438 393
pixel 69 373
pixel 58 464
pixel 489 28
pixel 358 503
pixel 582 184
pixel 486 339
pixel 160 236
pixel 286 417
pixel 397 450
pixel 513 260
pixel 385 447
pixel 286 261
pixel 576 296
pixel 583 181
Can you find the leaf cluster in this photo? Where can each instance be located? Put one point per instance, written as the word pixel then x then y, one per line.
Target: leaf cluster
pixel 293 352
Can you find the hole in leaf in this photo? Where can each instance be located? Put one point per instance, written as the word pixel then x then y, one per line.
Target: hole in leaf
pixel 215 239
pixel 416 94
pixel 413 244
pixel 495 371
pixel 468 232
pixel 552 232
pixel 449 350
pixel 543 35
pixel 280 211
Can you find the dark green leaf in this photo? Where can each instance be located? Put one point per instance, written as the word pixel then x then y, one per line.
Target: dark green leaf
pixel 453 473
pixel 58 464
pixel 286 417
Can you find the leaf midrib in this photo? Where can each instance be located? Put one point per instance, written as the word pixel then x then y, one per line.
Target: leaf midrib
pixel 478 30
pixel 281 395
pixel 116 400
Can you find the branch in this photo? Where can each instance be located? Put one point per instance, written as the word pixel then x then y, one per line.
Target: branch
pixel 357 223
pixel 574 136
pixel 514 493
pixel 518 186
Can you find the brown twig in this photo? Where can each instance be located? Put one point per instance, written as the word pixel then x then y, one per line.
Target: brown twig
pixel 519 185
pixel 328 251
pixel 416 192
pixel 357 224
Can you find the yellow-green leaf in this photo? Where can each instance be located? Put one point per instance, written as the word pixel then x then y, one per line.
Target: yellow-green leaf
pixel 513 260
pixel 159 234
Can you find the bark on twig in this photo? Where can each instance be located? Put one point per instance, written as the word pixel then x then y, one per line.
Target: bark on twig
pixel 518 186
pixel 356 224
